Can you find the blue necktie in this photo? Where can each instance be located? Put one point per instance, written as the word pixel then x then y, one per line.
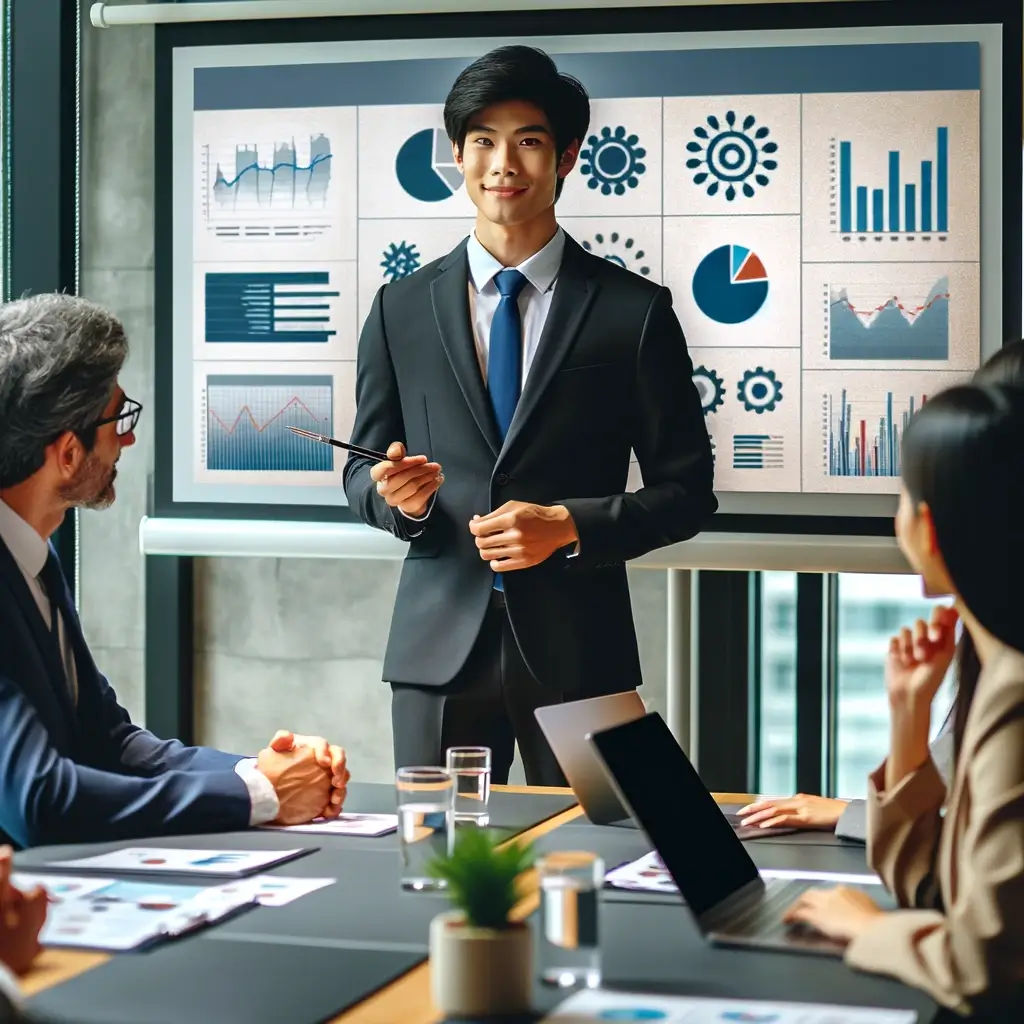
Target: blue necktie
pixel 505 356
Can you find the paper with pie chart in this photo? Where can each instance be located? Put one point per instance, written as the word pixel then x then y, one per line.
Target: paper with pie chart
pixel 602 1005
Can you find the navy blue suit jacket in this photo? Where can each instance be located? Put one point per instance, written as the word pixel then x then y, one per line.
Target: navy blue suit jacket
pixel 85 773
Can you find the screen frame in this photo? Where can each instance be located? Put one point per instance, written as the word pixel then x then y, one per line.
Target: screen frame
pixel 763 16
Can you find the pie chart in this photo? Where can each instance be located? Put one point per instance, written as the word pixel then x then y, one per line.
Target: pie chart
pixel 730 284
pixel 426 168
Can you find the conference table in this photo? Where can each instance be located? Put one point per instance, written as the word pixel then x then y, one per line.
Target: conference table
pixel 356 951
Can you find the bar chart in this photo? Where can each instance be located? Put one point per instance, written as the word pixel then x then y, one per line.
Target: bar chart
pixel 283 307
pixel 865 440
pixel 900 207
pixel 891 177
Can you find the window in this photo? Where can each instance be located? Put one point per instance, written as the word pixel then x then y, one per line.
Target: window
pixel 777 740
pixel 871 609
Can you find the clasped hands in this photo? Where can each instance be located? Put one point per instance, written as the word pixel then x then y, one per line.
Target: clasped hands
pixel 517 535
pixel 309 776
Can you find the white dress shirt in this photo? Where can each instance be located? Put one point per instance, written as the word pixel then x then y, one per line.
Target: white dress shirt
pixel 541 273
pixel 30 552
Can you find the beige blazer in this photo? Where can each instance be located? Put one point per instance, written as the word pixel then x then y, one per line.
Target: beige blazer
pixel 961 876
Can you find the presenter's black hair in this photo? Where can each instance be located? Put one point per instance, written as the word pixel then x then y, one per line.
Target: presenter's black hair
pixel 521 73
pixel 963 458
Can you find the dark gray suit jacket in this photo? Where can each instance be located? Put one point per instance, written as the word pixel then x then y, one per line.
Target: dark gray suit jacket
pixel 853 823
pixel 611 373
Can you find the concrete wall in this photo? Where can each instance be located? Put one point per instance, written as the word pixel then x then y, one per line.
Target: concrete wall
pixel 279 643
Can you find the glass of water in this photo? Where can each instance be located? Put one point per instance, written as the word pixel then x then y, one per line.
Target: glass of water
pixel 470 768
pixel 425 829
pixel 568 949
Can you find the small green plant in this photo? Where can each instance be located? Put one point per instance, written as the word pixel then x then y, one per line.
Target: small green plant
pixel 481 876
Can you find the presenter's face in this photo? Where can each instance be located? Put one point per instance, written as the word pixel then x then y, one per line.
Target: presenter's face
pixel 510 163
pixel 93 484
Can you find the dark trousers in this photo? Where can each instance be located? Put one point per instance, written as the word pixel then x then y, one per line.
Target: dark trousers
pixel 489 703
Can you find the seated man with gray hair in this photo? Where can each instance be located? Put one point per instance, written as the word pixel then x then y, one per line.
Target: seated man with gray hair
pixel 73 767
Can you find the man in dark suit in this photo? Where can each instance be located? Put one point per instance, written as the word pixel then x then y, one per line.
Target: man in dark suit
pixel 73 767
pixel 528 369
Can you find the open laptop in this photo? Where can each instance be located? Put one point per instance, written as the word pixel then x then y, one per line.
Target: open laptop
pixel 565 726
pixel 732 904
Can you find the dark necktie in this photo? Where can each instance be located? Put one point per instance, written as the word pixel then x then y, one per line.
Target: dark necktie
pixel 505 357
pixel 52 579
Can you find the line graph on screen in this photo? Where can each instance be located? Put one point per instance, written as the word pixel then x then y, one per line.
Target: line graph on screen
pixel 247 420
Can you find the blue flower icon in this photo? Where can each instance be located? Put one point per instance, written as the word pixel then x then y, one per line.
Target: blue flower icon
pixel 400 260
pixel 614 161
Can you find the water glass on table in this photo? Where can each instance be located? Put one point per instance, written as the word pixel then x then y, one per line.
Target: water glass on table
pixel 470 768
pixel 425 827
pixel 568 947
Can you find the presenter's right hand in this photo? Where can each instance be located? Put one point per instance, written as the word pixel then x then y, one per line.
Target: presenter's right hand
pixel 406 482
pixel 302 784
pixel 22 915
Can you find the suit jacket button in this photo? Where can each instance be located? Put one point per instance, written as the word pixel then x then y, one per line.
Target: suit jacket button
pixel 501 479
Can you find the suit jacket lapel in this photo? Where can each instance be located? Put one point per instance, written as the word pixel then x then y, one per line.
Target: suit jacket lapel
pixel 575 290
pixel 11 574
pixel 449 295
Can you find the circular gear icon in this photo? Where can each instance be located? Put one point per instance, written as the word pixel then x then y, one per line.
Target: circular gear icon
pixel 759 391
pixel 710 387
pixel 613 161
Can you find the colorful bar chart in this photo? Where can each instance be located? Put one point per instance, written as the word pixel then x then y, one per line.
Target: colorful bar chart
pixel 279 307
pixel 863 444
pixel 899 207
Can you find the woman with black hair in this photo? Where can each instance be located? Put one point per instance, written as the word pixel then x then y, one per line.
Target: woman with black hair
pixel 954 860
pixel 848 818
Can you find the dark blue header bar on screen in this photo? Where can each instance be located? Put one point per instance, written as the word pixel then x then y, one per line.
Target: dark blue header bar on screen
pixel 869 67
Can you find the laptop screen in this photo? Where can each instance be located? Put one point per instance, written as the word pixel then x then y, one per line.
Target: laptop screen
pixel 675 809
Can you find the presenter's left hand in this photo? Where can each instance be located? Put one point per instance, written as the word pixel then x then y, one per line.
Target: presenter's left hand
pixel 841 913
pixel 329 756
pixel 519 535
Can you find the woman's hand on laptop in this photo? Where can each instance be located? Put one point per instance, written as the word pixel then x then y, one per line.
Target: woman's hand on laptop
pixel 841 913
pixel 800 811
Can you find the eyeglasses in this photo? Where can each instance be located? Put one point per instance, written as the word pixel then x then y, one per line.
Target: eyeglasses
pixel 127 419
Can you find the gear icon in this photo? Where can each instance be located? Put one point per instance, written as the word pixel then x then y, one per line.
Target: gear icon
pixel 759 391
pixel 731 155
pixel 710 387
pixel 400 260
pixel 613 161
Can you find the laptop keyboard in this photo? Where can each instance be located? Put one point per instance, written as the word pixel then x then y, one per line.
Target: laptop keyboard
pixel 763 919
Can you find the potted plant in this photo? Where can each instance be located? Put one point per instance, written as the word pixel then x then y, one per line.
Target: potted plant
pixel 481 961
